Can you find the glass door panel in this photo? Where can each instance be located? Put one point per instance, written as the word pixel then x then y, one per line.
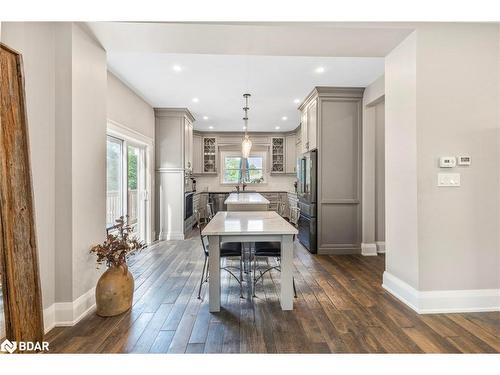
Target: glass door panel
pixel 136 187
pixel 114 180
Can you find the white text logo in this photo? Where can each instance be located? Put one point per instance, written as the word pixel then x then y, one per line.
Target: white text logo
pixel 8 346
pixel 24 346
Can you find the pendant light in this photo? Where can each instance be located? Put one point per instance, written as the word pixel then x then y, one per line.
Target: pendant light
pixel 246 145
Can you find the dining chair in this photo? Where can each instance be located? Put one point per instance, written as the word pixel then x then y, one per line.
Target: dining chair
pixel 210 210
pixel 227 249
pixel 281 208
pixel 294 217
pixel 271 249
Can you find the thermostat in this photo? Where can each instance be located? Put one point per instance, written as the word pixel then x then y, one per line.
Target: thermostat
pixel 464 160
pixel 447 161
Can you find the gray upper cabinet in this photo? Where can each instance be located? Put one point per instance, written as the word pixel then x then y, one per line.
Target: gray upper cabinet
pixel 188 144
pixel 290 152
pixel 197 154
pixel 173 134
pixel 309 125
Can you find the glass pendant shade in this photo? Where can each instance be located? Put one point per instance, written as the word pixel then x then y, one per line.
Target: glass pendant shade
pixel 246 147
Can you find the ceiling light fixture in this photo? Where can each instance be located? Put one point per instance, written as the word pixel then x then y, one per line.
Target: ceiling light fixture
pixel 277 127
pixel 177 68
pixel 284 118
pixel 210 127
pixel 296 101
pixel 196 100
pixel 246 144
pixel 205 117
pixel 320 69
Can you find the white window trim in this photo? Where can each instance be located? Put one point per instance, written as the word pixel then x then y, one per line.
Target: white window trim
pixel 262 154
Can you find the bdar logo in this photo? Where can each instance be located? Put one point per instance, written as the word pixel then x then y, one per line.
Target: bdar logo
pixel 8 346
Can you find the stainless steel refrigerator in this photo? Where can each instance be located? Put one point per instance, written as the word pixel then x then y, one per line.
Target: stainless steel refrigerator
pixel 307 173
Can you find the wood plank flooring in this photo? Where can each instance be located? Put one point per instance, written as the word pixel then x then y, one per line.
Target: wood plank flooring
pixel 341 308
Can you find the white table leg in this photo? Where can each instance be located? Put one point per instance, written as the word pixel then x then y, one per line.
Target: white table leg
pixel 214 277
pixel 286 297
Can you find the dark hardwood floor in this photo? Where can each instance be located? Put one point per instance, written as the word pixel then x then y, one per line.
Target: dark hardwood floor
pixel 341 308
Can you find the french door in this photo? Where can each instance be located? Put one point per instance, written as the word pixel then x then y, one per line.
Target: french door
pixel 126 193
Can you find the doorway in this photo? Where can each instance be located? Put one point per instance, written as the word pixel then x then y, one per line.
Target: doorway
pixel 126 190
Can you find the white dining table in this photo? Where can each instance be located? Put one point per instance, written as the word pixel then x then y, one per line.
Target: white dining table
pixel 250 226
pixel 246 202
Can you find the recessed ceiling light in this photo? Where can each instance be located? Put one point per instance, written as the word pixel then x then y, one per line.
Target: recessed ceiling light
pixel 205 117
pixel 244 128
pixel 177 68
pixel 284 118
pixel 296 101
pixel 319 69
pixel 196 100
pixel 277 127
pixel 210 127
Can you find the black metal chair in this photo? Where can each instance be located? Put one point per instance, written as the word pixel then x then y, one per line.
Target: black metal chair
pixel 272 250
pixel 210 211
pixel 227 249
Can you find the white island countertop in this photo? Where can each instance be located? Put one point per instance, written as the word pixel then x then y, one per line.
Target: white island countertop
pixel 234 223
pixel 250 226
pixel 246 198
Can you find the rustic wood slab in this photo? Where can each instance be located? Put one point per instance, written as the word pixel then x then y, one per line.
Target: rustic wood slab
pixel 18 247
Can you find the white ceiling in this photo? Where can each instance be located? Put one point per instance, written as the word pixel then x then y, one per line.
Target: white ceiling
pixel 219 81
pixel 275 62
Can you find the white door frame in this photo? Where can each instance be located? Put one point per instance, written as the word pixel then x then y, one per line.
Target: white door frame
pixel 134 138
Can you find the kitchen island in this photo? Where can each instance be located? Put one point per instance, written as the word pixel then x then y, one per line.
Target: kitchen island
pixel 246 202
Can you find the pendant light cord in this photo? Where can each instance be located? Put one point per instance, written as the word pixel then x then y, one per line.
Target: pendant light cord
pixel 246 108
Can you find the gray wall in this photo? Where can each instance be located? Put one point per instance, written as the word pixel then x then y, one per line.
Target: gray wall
pixel 380 172
pixel 127 108
pixel 442 96
pixel 65 73
pixel 35 41
pixel 457 99
pixel 401 239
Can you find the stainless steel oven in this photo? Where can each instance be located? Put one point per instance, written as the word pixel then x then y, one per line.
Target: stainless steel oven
pixel 188 205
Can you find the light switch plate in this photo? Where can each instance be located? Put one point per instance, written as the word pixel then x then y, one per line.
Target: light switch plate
pixel 449 179
pixel 464 160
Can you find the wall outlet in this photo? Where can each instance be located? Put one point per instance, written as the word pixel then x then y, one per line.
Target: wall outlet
pixel 449 179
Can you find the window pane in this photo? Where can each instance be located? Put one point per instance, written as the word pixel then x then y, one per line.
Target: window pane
pixel 133 201
pixel 114 178
pixel 232 162
pixel 255 162
pixel 232 175
pixel 255 175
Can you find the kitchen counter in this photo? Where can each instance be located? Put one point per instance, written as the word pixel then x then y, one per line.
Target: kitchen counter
pixel 246 191
pixel 246 198
pixel 246 202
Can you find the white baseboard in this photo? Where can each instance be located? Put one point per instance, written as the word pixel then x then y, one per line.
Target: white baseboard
pixel 401 290
pixel 62 314
pixel 380 247
pixel 442 301
pixel 368 249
